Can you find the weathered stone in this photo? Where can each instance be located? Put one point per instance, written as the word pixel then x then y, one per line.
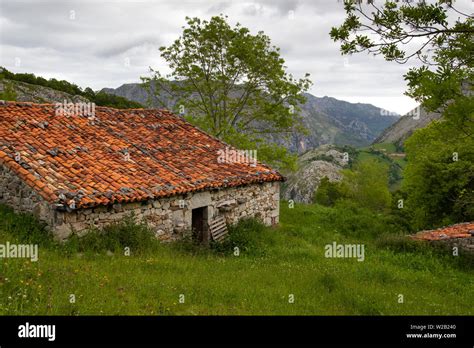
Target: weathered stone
pixel 103 216
pixel 200 199
pixel 70 217
pixel 159 233
pixel 230 202
pixel 62 232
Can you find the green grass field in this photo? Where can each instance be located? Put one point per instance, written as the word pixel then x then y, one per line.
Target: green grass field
pixel 274 265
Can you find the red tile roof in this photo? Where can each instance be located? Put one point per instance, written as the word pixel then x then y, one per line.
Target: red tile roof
pixel 461 230
pixel 73 159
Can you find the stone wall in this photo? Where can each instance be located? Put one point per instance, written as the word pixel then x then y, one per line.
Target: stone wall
pixel 22 198
pixel 463 244
pixel 170 218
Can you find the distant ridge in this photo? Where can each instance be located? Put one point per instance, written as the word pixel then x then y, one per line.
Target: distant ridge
pixel 398 132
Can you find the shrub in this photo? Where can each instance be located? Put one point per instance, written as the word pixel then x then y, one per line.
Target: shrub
pixel 400 213
pixel 350 219
pixel 329 192
pixel 115 238
pixel 24 227
pixel 323 157
pixel 8 93
pixel 367 184
pixel 247 235
pixel 189 244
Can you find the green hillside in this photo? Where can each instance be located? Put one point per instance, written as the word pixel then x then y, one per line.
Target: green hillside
pixel 388 154
pixel 30 80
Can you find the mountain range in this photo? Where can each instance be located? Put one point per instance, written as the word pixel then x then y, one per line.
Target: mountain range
pixel 399 131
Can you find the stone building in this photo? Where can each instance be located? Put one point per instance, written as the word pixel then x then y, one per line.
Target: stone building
pixel 75 170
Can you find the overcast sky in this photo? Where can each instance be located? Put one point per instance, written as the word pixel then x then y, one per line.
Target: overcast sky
pixel 100 43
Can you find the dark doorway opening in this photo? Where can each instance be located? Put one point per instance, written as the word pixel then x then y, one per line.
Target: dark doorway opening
pixel 199 225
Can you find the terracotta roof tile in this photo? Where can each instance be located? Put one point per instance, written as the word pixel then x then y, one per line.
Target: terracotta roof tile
pixel 462 230
pixel 71 158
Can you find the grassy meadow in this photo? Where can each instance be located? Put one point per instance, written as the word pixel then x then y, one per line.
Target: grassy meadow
pixel 278 271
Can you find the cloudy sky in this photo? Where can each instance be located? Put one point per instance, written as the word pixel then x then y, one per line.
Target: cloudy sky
pixel 106 43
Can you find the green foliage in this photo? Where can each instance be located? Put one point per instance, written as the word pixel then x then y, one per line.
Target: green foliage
pixel 8 92
pixel 233 85
pixel 351 219
pixel 247 235
pixel 399 212
pixel 443 47
pixel 367 184
pixel 115 238
pixel 322 157
pixel 385 147
pixel 32 79
pixel 25 227
pixel 329 192
pixel 449 84
pixel 394 23
pixel 115 101
pixel 439 185
pixel 278 156
pixel 99 98
pixel 400 243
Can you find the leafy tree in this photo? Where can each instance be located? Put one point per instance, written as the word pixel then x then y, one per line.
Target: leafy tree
pixel 328 193
pixel 444 47
pixel 367 184
pixel 233 85
pixel 89 93
pixel 439 177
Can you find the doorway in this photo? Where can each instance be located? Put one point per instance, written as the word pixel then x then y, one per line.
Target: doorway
pixel 199 225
